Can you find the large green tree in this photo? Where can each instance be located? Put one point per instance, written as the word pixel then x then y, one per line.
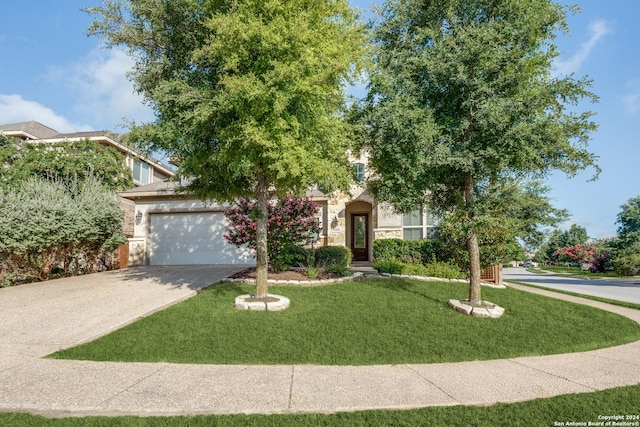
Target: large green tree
pixel 627 254
pixel 629 219
pixel 248 94
pixel 462 95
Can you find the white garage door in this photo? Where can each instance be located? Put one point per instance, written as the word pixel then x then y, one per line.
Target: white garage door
pixel 192 238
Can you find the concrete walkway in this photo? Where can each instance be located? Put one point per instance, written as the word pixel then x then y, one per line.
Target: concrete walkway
pixel 75 388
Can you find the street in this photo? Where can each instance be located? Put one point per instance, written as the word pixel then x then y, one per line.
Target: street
pixel 627 290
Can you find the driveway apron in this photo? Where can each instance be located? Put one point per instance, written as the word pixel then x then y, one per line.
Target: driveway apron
pixel 41 318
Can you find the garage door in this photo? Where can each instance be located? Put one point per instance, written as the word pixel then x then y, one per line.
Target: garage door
pixel 192 238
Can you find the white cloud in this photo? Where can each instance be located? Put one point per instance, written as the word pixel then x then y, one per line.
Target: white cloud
pixel 597 30
pixel 631 101
pixel 101 90
pixel 15 109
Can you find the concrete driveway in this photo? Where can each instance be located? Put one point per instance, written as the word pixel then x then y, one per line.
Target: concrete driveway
pixel 40 318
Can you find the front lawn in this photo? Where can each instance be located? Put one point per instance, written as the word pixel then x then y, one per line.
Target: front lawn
pixel 374 321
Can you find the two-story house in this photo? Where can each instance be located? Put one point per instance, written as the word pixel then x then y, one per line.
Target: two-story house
pixel 174 228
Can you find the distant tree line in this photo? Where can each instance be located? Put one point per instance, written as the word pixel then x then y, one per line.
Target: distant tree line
pixel 620 253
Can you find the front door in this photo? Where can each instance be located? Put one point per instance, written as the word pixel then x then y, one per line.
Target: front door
pixel 360 237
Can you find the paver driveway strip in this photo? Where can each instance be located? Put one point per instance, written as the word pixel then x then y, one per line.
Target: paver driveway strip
pixel 67 387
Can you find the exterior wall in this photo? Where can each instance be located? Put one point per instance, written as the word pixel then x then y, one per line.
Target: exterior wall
pixel 128 207
pixel 158 175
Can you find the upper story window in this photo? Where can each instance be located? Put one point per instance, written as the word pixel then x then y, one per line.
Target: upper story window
pixel 359 172
pixel 419 224
pixel 141 172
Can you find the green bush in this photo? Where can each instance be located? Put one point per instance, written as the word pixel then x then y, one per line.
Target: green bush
pixel 435 269
pixel 422 251
pixel 288 256
pixel 51 228
pixel 389 265
pixel 628 265
pixel 333 257
pixel 443 269
pixel 407 251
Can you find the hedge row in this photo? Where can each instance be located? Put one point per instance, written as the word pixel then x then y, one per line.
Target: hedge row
pixel 423 251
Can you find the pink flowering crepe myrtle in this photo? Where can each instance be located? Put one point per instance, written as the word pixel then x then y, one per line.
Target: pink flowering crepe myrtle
pixel 291 222
pixel 579 253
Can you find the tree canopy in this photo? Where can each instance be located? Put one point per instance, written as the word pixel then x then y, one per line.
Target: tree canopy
pixel 629 218
pixel 461 96
pixel 248 94
pixel 628 244
pixel 511 216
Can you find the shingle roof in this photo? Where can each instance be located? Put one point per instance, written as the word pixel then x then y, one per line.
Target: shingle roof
pixel 32 128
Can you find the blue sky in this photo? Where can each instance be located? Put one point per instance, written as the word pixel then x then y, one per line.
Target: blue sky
pixel 53 73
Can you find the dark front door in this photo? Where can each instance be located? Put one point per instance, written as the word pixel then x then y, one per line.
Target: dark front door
pixel 360 237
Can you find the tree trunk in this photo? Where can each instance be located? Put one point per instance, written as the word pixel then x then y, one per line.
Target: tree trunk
pixel 262 258
pixel 472 245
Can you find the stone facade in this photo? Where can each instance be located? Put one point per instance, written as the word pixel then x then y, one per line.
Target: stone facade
pixel 338 210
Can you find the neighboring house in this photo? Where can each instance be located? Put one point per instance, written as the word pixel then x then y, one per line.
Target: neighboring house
pixel 174 228
pixel 144 169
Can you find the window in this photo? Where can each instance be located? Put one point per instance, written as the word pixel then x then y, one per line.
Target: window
pixel 359 172
pixel 141 172
pixel 419 224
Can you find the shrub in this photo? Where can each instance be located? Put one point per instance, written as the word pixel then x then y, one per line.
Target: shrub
pixel 422 251
pixel 333 257
pixel 288 256
pixel 339 269
pixel 444 269
pixel 407 251
pixel 54 228
pixel 628 265
pixel 435 269
pixel 389 265
pixel 601 263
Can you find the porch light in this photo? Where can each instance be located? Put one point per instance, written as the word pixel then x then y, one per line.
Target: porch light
pixel 138 218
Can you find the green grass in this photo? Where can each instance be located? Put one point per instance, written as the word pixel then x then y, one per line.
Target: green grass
pixel 376 321
pixel 584 407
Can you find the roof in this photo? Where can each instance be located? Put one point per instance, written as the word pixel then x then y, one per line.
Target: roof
pixel 172 189
pixel 167 188
pixel 30 129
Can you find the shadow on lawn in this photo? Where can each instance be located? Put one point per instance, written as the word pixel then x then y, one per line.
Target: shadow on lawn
pixel 411 288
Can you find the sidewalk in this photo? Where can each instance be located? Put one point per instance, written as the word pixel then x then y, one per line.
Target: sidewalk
pixel 75 388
